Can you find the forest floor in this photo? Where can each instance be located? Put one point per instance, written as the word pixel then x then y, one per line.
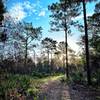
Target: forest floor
pixel 57 90
pixel 46 88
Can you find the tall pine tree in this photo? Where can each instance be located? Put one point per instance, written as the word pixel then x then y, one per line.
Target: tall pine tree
pixel 62 16
pixel 86 40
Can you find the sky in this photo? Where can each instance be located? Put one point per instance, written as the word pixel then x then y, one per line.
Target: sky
pixel 36 11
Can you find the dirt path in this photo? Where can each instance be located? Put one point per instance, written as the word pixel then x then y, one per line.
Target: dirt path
pixel 60 91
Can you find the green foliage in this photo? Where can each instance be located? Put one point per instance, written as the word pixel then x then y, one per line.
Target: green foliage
pixel 62 13
pixel 32 91
pixel 12 82
pixel 24 84
pixel 94 28
pixel 36 74
pixel 97 97
pixel 49 43
pixel 77 77
pixel 94 41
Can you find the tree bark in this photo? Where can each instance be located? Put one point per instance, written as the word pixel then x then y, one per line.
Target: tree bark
pixel 63 61
pixel 34 55
pixel 48 57
pixel 51 59
pixel 66 45
pixel 25 53
pixel 86 45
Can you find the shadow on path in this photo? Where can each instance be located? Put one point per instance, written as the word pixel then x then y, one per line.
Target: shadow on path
pixel 80 92
pixel 61 91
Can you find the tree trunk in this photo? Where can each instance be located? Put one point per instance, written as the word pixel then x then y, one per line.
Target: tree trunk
pixel 34 55
pixel 25 53
pixel 86 45
pixel 3 53
pixel 66 45
pixel 63 61
pixel 51 59
pixel 48 57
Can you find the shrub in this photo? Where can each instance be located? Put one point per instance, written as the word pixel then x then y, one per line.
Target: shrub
pixel 77 77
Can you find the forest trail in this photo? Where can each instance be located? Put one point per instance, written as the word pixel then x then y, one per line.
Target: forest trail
pixel 55 90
